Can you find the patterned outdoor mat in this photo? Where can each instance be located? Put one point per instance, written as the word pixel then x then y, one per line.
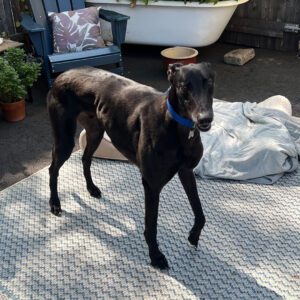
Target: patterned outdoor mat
pixel 249 249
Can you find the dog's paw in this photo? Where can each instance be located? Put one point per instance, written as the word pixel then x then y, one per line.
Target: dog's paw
pixel 160 262
pixel 194 239
pixel 94 191
pixel 56 210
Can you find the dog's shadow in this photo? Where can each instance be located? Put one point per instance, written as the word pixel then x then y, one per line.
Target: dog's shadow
pixel 97 250
pixel 116 222
pixel 196 274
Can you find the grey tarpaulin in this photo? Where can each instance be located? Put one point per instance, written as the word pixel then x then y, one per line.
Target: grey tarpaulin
pixel 250 141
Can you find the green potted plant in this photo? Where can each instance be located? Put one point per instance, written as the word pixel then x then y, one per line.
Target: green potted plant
pixel 16 77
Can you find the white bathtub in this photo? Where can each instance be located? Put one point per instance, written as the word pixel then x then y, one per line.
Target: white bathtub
pixel 171 23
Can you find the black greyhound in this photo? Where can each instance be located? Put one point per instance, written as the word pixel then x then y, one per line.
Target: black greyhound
pixel 157 132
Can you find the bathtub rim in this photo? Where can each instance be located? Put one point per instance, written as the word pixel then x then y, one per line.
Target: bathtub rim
pixel 171 3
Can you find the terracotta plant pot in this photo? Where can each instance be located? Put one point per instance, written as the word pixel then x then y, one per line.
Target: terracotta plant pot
pixel 182 55
pixel 13 112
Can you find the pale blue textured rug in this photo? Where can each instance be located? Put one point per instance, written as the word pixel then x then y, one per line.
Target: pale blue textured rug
pixel 249 249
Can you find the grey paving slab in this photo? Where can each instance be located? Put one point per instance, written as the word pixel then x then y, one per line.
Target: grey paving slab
pixel 249 249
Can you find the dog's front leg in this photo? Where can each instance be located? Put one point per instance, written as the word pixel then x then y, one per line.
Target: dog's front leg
pixel 188 181
pixel 151 214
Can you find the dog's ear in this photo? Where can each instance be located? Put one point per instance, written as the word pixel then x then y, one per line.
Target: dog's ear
pixel 207 65
pixel 172 69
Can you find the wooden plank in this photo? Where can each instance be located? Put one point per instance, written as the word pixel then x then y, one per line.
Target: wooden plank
pixel 39 12
pixel 257 31
pixel 8 44
pixel 64 5
pixel 292 8
pixel 254 9
pixel 16 12
pixel 93 53
pixel 7 23
pixel 2 28
pixel 50 6
pixel 281 11
pixel 297 14
pixel 263 14
pixel 257 27
pixel 78 4
pixel 241 12
pixel 271 10
pixel 95 61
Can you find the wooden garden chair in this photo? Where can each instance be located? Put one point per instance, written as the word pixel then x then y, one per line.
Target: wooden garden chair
pixel 39 29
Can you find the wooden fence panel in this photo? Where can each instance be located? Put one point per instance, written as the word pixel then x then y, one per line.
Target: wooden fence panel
pixel 7 23
pixel 261 23
pixel 10 11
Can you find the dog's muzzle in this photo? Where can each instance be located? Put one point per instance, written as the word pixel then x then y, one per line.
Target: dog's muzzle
pixel 204 127
pixel 204 121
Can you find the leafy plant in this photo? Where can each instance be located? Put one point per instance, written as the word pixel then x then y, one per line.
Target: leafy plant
pixel 28 71
pixel 17 75
pixel 11 89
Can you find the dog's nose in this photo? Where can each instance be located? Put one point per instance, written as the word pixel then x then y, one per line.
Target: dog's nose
pixel 204 120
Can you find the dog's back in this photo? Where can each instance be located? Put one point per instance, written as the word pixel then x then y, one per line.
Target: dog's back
pixel 97 85
pixel 119 104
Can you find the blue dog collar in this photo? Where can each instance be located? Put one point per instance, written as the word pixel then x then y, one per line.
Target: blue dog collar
pixel 183 121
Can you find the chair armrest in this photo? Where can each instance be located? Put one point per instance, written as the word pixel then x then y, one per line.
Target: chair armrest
pixel 29 25
pixel 112 16
pixel 37 34
pixel 118 24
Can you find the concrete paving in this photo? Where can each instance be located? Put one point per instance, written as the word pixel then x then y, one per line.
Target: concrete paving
pixel 25 147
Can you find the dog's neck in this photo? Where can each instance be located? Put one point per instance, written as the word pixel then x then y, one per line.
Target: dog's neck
pixel 174 107
pixel 176 103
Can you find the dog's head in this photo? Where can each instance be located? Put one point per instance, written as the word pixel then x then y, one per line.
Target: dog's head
pixel 194 86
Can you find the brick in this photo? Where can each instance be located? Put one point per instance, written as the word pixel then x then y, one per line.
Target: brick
pixel 239 57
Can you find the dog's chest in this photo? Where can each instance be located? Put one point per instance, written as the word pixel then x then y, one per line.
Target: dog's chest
pixel 190 150
pixel 173 151
pixel 191 156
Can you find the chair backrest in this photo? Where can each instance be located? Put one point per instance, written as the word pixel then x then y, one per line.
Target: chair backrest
pixel 41 8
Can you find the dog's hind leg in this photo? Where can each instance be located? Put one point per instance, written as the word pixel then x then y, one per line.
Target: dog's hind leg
pixel 64 127
pixel 94 134
pixel 158 259
pixel 188 181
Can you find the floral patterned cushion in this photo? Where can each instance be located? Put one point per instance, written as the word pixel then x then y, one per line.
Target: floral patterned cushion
pixel 76 30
